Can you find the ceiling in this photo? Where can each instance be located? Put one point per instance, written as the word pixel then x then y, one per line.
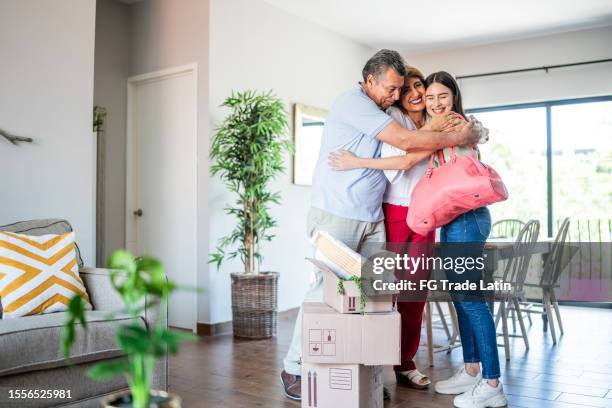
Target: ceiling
pixel 419 26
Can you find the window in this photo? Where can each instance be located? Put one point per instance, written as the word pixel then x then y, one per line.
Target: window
pixel 582 160
pixel 556 160
pixel 517 150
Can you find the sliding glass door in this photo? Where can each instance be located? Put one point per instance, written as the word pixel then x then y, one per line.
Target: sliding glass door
pixel 517 150
pixel 582 163
pixel 556 160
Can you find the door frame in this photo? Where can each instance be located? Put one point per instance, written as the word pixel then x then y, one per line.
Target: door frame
pixel 131 150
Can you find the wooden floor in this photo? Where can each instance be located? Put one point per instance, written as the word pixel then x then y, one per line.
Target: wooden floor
pixel 577 372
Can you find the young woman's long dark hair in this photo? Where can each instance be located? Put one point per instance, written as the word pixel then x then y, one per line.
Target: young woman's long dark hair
pixel 446 79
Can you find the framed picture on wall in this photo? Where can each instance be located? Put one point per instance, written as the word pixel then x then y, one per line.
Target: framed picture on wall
pixel 308 125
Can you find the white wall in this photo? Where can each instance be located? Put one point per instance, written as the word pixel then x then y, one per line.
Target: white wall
pixel 110 90
pixel 166 34
pixel 234 43
pixel 46 83
pixel 256 46
pixel 574 82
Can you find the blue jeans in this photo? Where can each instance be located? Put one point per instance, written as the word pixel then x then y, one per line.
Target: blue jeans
pixel 476 325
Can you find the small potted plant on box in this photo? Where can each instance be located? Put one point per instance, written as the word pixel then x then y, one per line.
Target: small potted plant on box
pixel 134 279
pixel 248 149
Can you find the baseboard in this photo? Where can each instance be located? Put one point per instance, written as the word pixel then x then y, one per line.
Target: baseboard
pixel 214 329
pixel 217 329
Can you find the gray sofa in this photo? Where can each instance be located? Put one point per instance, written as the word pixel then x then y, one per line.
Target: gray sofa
pixel 31 357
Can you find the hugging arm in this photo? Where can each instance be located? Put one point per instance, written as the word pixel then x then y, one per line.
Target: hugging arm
pixel 345 160
pixel 427 140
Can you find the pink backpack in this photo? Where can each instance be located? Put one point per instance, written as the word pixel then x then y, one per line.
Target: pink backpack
pixel 454 188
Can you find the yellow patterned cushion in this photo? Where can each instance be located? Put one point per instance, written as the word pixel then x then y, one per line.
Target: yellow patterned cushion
pixel 38 274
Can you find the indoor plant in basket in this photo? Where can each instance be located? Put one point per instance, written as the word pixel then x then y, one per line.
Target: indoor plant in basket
pixel 136 280
pixel 248 152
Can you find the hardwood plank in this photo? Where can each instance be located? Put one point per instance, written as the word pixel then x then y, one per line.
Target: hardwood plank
pixel 568 380
pixel 584 400
pixel 553 386
pixel 531 392
pixel 514 401
pixel 597 376
pixel 529 373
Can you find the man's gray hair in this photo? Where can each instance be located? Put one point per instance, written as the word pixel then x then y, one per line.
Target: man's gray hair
pixel 381 62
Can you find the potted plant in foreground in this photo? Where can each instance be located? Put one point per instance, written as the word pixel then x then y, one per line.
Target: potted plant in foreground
pixel 134 279
pixel 248 148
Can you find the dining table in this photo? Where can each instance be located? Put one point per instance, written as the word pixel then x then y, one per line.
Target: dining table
pixel 498 249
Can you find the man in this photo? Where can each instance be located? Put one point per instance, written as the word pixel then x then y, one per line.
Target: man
pixel 348 204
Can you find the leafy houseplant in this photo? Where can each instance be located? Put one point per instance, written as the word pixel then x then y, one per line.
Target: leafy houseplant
pixel 134 279
pixel 248 152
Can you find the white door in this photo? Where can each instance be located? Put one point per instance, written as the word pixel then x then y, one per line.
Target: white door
pixel 161 185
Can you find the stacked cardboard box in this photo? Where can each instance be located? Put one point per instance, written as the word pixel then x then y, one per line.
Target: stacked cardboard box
pixel 341 385
pixel 343 350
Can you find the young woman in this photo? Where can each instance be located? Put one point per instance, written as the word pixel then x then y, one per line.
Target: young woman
pixel 465 236
pixel 404 171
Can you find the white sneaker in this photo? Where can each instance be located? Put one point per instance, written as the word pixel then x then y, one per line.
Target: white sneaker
pixel 459 383
pixel 482 395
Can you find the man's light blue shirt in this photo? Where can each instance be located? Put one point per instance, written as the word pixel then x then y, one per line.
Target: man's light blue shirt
pixel 352 124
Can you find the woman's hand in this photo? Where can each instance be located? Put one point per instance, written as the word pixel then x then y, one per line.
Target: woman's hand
pixel 439 123
pixel 455 122
pixel 343 160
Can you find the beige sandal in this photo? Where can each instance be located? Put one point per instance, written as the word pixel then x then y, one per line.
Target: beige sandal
pixel 412 379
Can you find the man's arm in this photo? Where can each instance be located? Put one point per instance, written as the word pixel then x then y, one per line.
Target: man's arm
pixel 419 140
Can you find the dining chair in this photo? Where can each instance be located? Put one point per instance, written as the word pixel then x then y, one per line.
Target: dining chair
pixel 549 281
pixel 508 228
pixel 515 273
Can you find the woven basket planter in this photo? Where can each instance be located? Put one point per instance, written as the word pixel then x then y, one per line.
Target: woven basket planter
pixel 255 304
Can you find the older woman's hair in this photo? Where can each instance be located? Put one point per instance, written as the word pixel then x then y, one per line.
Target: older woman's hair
pixel 414 72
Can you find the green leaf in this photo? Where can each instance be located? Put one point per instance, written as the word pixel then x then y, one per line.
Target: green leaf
pixel 133 339
pixel 76 314
pixel 152 272
pixel 122 260
pixel 106 370
pixel 172 338
pixel 76 308
pixel 169 340
pixel 340 288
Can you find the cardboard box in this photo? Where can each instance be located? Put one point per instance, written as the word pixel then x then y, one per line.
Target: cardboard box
pixel 335 338
pixel 341 385
pixel 350 302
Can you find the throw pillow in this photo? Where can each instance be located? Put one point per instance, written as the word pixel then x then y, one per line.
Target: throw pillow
pixel 38 274
pixel 43 227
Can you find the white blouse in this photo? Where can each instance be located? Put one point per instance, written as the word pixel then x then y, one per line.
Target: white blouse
pixel 401 182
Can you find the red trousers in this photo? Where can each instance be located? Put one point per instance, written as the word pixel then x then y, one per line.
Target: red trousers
pixel 411 312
